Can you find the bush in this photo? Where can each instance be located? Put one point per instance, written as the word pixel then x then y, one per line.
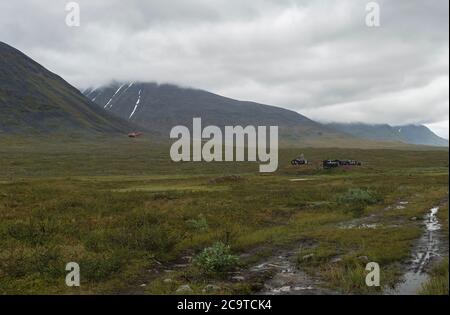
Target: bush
pixel 356 200
pixel 217 258
pixel 200 224
pixel 358 196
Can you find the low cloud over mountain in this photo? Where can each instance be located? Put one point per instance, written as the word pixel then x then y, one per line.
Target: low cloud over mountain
pixel 315 57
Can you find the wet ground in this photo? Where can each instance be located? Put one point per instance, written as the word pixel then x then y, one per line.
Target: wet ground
pixel 282 276
pixel 427 250
pixel 286 278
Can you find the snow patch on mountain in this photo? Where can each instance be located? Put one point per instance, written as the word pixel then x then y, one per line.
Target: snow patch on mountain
pixel 109 102
pixel 137 104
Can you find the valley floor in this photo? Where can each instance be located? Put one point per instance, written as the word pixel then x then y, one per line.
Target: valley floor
pixel 137 223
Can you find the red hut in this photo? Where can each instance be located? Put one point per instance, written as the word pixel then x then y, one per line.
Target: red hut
pixel 135 134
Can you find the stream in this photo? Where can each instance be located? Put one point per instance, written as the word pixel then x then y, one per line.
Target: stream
pixel 426 249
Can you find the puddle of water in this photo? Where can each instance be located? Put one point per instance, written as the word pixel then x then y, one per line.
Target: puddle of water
pixel 398 206
pixel 401 205
pixel 432 222
pixel 287 278
pixel 361 226
pixel 426 249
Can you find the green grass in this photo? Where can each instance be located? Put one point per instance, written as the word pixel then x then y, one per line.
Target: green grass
pixel 438 284
pixel 125 213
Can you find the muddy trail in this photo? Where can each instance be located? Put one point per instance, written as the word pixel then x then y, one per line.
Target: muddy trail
pixel 285 278
pixel 428 249
pixel 278 274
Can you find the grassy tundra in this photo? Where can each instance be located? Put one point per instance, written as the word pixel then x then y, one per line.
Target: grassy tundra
pixel 132 218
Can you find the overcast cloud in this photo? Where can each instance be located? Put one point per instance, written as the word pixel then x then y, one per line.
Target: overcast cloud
pixel 316 57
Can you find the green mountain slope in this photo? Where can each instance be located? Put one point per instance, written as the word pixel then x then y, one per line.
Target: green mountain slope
pixel 160 107
pixel 34 100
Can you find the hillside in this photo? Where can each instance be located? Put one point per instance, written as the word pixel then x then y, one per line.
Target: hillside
pixel 410 134
pixel 34 100
pixel 160 107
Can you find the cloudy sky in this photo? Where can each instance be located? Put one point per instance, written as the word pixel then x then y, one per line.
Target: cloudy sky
pixel 317 57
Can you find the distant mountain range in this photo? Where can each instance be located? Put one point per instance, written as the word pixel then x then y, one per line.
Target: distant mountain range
pixel 35 100
pixel 413 134
pixel 160 107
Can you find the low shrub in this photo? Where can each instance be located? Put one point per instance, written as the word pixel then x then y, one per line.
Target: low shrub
pixel 359 196
pixel 216 259
pixel 200 224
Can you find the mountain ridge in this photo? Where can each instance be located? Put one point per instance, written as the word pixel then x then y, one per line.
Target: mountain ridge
pixel 411 133
pixel 160 107
pixel 35 100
